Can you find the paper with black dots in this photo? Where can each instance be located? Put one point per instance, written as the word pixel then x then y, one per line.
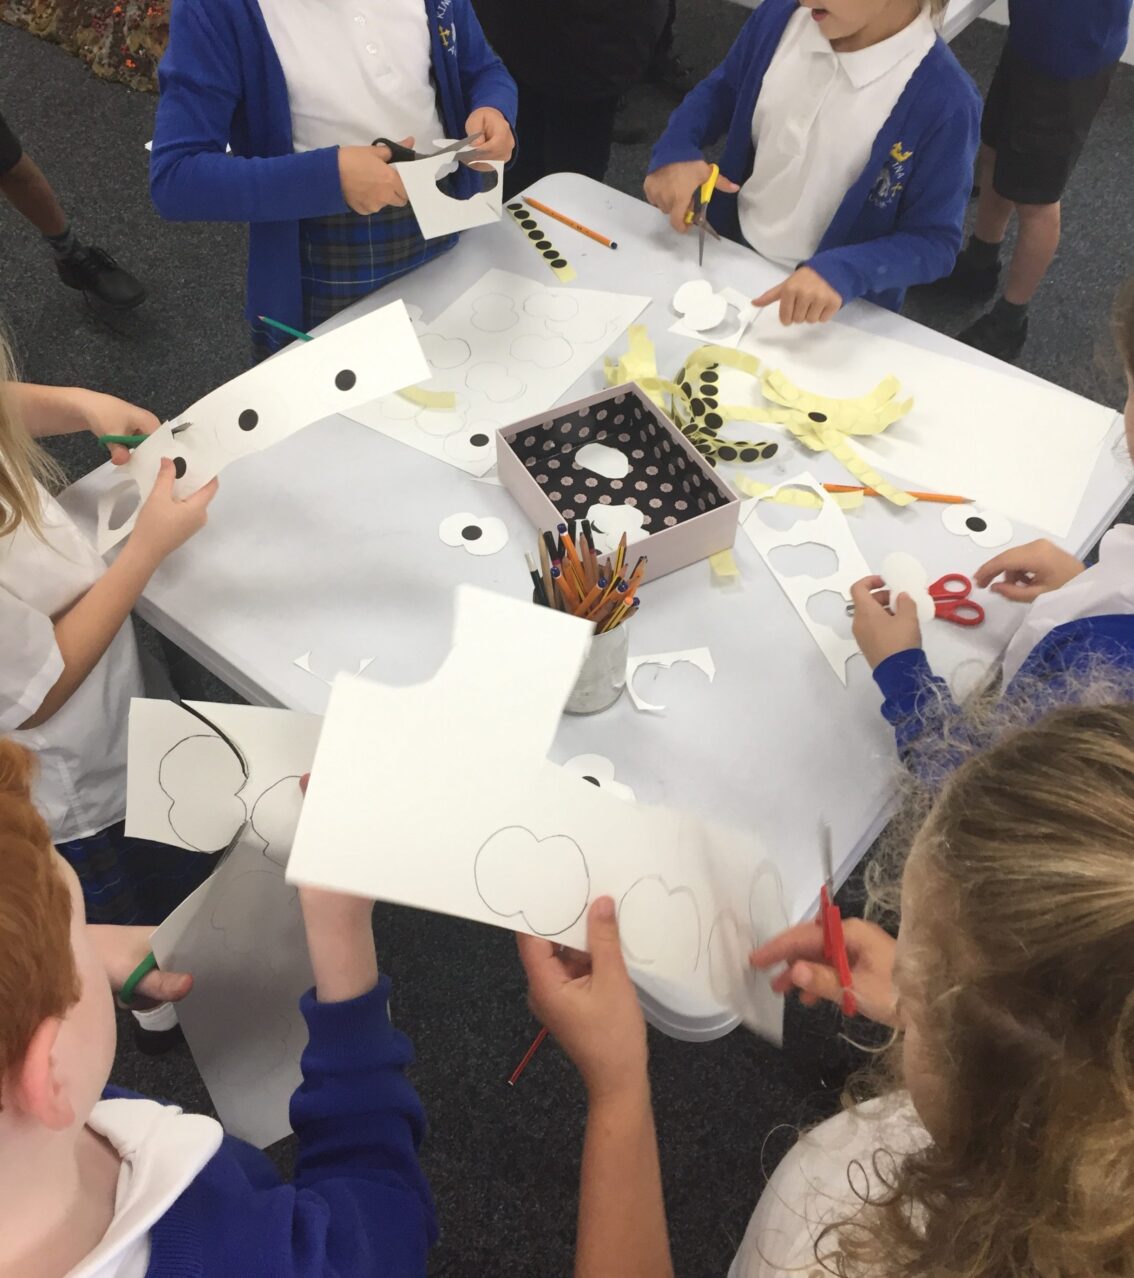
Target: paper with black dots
pixel 374 355
pixel 508 348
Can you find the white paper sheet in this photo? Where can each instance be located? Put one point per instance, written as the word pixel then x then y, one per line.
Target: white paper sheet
pixel 1023 449
pixel 351 365
pixel 240 934
pixel 830 530
pixel 702 658
pixel 905 575
pixel 440 214
pixel 508 348
pixel 441 796
pixel 718 319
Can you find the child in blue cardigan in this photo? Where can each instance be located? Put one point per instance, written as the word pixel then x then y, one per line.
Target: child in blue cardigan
pixel 124 1186
pixel 300 89
pixel 851 133
pixel 1079 618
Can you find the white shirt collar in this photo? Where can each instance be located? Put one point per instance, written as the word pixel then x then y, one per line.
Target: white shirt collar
pixel 864 66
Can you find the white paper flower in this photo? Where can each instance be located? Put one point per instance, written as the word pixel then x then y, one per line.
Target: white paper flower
pixel 479 534
pixel 699 306
pixel 599 771
pixel 985 527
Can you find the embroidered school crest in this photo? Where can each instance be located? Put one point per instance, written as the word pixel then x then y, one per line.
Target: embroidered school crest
pixel 891 180
pixel 445 28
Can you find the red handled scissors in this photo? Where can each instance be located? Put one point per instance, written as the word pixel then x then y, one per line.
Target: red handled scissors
pixel 950 595
pixel 834 943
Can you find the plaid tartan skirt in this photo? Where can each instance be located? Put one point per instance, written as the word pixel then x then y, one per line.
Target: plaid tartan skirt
pixel 347 256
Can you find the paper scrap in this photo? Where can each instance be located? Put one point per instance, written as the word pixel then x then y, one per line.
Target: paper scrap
pixel 702 658
pixel 982 526
pixel 723 564
pixel 303 661
pixel 905 575
pixel 603 460
pixel 479 534
pixel 610 522
pixel 598 770
pixel 701 311
pixel 438 213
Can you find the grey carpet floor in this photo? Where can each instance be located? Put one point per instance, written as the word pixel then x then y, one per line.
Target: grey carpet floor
pixel 503 1162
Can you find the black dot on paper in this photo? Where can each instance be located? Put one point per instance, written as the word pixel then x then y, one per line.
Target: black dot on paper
pixel 713 421
pixel 248 419
pixel 179 467
pixel 535 235
pixel 528 224
pixel 543 244
pixel 727 453
pixel 817 417
pixel 709 375
pixel 515 208
pixel 748 454
pixel 472 532
pixel 558 262
pixel 551 254
pixel 593 781
pixel 974 523
pixel 770 450
pixel 478 440
pixel 687 389
pixel 345 379
pixel 704 448
pixel 711 402
pixel 698 407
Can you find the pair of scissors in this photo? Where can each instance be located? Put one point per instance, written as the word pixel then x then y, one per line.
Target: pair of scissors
pixel 951 602
pixel 698 215
pixel 403 154
pixel 834 943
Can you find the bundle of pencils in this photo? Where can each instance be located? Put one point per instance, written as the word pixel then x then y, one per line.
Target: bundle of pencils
pixel 572 578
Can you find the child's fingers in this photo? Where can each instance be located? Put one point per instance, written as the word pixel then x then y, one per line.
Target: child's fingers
pixel 164 987
pixel 816 981
pixel 201 498
pixel 863 596
pixel 119 454
pixel 1014 560
pixel 772 295
pixel 1017 593
pixel 541 965
pixel 727 184
pixel 163 484
pixel 804 941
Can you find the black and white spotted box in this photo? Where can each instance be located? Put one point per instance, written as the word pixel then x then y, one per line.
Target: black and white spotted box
pixel 648 473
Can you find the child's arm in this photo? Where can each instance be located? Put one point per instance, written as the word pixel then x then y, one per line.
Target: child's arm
pixel 191 176
pixel 63 410
pixel 85 631
pixel 928 234
pixel 1029 571
pixel 592 1009
pixel 486 86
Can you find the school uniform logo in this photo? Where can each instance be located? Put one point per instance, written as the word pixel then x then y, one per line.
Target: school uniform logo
pixel 891 181
pixel 446 30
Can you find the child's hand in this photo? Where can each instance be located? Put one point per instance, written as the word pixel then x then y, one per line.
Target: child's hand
pixel 108 415
pixel 805 297
pixel 870 951
pixel 1029 571
pixel 165 521
pixel 498 142
pixel 879 632
pixel 590 1005
pixel 368 180
pixel 121 949
pixel 671 189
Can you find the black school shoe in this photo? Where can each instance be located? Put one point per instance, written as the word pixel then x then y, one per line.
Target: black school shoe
pixel 997 333
pixel 94 272
pixel 157 1042
pixel 975 283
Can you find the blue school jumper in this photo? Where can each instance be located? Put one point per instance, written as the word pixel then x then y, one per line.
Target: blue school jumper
pixel 901 222
pixel 1067 39
pixel 222 83
pixel 357 1206
pixel 914 695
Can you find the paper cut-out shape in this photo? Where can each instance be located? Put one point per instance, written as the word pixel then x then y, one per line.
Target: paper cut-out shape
pixel 474 445
pixel 546 352
pixel 440 214
pixel 444 352
pixel 479 534
pixel 609 522
pixel 514 869
pixel 702 658
pixel 371 356
pixel 828 529
pixel 556 308
pixel 303 661
pixel 202 779
pixel 905 575
pixel 495 382
pixel 603 460
pixel 983 527
pixel 597 770
pixel 276 815
pixel 719 317
pixel 481 728
pixel 699 306
pixel 494 312
pixel 660 927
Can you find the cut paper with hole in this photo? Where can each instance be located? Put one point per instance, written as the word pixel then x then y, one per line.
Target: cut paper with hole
pixel 516 332
pixel 303 661
pixel 597 770
pixel 660 927
pixel 608 523
pixel 241 933
pixel 479 534
pixel 702 658
pixel 438 213
pixel 516 840
pixel 719 317
pixel 372 356
pixel 983 527
pixel 905 575
pixel 830 529
pixel 603 460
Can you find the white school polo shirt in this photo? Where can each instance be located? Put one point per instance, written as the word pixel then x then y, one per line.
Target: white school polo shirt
pixel 355 70
pixel 816 119
pixel 80 787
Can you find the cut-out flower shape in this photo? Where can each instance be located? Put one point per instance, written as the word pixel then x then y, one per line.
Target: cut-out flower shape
pixel 479 534
pixel 985 527
pixel 597 770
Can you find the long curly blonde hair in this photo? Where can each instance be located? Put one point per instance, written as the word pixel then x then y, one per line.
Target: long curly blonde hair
pixel 1022 980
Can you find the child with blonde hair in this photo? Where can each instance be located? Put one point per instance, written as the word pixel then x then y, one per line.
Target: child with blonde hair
pixel 1000 1140
pixel 95 1182
pixel 71 661
pixel 851 133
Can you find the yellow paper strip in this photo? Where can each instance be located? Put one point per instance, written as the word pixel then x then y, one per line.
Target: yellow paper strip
pixel 535 235
pixel 723 564
pixel 429 399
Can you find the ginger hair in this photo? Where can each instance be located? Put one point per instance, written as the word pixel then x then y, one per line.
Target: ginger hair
pixel 1022 979
pixel 23 463
pixel 38 978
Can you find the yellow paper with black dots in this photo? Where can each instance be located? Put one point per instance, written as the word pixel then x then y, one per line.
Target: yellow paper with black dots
pixel 541 242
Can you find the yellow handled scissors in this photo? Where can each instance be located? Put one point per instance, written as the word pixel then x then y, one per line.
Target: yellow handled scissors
pixel 698 215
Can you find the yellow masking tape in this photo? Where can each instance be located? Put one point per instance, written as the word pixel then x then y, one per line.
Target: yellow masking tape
pixel 428 398
pixel 723 564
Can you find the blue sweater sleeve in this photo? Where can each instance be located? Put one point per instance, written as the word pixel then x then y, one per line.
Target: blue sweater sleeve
pixel 909 690
pixel 929 230
pixel 485 81
pixel 191 176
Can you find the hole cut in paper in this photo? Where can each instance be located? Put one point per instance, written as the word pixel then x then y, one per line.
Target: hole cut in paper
pixel 808 560
pixel 828 608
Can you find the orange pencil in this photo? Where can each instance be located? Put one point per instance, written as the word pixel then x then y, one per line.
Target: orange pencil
pixel 570 221
pixel 946 498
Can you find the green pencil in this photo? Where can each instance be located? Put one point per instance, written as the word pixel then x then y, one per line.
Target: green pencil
pixel 130 441
pixel 286 328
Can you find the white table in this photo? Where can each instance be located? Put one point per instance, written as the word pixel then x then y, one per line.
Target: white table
pixel 957 16
pixel 328 544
